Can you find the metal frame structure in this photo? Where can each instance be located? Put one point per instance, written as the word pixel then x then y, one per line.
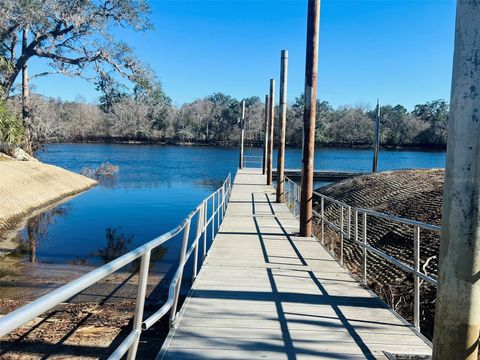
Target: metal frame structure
pixel 210 212
pixel 257 160
pixel 344 229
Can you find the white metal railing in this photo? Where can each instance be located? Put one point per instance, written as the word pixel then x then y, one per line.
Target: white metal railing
pixel 344 229
pixel 210 212
pixel 252 160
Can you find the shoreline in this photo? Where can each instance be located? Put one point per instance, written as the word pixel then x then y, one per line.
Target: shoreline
pixel 28 188
pixel 247 144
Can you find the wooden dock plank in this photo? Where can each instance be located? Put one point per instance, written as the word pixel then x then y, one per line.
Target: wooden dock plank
pixel 264 293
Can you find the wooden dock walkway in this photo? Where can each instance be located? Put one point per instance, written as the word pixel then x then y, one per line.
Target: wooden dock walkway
pixel 264 293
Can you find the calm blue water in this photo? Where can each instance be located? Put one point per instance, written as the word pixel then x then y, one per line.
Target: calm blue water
pixel 157 186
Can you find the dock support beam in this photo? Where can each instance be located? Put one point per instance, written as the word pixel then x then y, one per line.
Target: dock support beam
pixel 271 121
pixel 457 313
pixel 242 135
pixel 376 142
pixel 283 127
pixel 265 141
pixel 311 67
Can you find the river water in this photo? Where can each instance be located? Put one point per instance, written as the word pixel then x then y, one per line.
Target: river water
pixel 155 188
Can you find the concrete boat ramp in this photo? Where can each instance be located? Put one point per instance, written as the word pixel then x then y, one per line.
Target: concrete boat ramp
pixel 264 293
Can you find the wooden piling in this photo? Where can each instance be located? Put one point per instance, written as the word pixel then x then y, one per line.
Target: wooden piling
pixel 242 135
pixel 283 126
pixel 311 67
pixel 376 142
pixel 265 141
pixel 271 113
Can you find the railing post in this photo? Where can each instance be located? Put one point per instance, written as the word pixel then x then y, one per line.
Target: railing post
pixel 186 233
pixel 205 216
pixel 292 195
pixel 213 217
pixel 140 303
pixel 322 217
pixel 289 192
pixel 294 201
pixel 364 228
pixel 341 234
pixel 197 239
pixel 349 222
pixel 355 224
pixel 217 209
pixel 298 198
pixel 224 202
pixel 416 280
pixel 295 198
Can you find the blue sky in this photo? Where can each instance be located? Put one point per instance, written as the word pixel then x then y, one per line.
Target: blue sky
pixel 400 51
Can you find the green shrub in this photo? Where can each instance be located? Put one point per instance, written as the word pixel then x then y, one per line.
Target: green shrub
pixel 11 129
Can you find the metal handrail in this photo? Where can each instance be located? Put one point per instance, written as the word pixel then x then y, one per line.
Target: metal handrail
pixel 219 201
pixel 245 160
pixel 292 192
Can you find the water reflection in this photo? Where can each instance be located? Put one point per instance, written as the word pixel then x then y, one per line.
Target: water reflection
pixel 208 182
pixel 36 230
pixel 118 244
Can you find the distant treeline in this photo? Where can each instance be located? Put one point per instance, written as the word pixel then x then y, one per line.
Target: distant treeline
pixel 151 117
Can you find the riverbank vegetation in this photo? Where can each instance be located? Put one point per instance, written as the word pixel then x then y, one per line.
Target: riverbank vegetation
pixel 150 117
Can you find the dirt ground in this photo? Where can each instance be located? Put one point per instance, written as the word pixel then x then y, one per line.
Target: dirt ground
pixel 90 326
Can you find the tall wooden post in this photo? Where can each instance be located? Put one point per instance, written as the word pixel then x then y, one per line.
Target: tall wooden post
pixel 283 127
pixel 265 142
pixel 242 135
pixel 457 313
pixel 311 67
pixel 376 141
pixel 271 120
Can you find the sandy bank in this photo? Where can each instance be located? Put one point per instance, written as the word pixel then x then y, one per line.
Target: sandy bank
pixel 29 185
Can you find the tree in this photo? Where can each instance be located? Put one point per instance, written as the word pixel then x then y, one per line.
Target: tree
pixel 75 36
pixel 149 91
pixel 295 121
pixel 254 119
pixel 72 34
pixel 434 113
pixel 224 116
pixel 392 124
pixel 350 126
pixel 112 92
